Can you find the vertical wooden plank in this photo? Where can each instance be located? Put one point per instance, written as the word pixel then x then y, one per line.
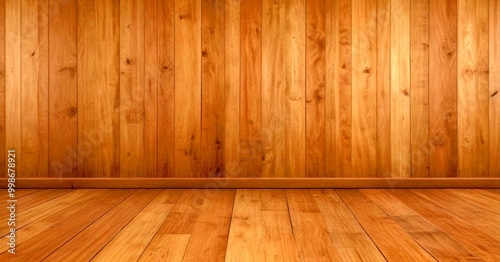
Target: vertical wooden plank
pixel 34 88
pixel 13 78
pixel 419 97
pixel 473 88
pixel 166 82
pixel 343 91
pixel 107 102
pixel 364 88
pixel 332 80
pixel 88 75
pixel 132 88
pixel 150 88
pixel 212 79
pixel 188 88
pixel 251 89
pixel 295 121
pixel 273 88
pixel 383 88
pixel 400 88
pixel 3 156
pixel 338 88
pixel 63 130
pixel 443 88
pixel 315 88
pixel 232 88
pixel 494 81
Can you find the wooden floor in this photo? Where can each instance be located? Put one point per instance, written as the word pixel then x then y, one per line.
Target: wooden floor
pixel 255 225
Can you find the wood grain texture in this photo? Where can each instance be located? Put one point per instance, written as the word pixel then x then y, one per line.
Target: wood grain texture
pixel 480 217
pixel 106 228
pixel 98 92
pixel 383 88
pixel 192 214
pixel 419 85
pixel 473 103
pixel 477 241
pixel 260 227
pixel 61 204
pixel 151 50
pixel 13 79
pixel 251 89
pixel 400 88
pixel 257 225
pixel 348 236
pixel 315 88
pixel 344 122
pixel 166 247
pixel 274 83
pixel 437 242
pixel 309 228
pixel 34 88
pixel 3 152
pixel 232 76
pixel 295 132
pixel 140 231
pixel 389 237
pixel 88 79
pixel 32 200
pixel 443 88
pixel 132 88
pixel 32 244
pixel 364 89
pixel 232 88
pixel 332 87
pixel 166 89
pixel 63 102
pixel 494 88
pixel 212 94
pixel 188 88
pixel 107 133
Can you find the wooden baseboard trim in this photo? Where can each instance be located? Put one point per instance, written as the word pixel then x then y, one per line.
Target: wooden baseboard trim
pixel 221 183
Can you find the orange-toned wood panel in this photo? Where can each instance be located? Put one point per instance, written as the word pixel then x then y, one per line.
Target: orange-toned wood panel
pixel 166 92
pixel 315 88
pixel 443 88
pixel 62 100
pixel 232 56
pixel 364 90
pixel 383 88
pixel 132 105
pixel 250 88
pixel 273 87
pixel 295 126
pixel 212 82
pixel 494 86
pixel 34 87
pixel 13 78
pixel 400 88
pixel 419 85
pixel 3 155
pixel 473 88
pixel 188 92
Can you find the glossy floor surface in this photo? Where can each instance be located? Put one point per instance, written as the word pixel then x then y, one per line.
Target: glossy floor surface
pixel 255 225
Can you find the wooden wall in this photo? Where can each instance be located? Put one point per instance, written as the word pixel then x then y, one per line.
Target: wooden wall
pixel 249 88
